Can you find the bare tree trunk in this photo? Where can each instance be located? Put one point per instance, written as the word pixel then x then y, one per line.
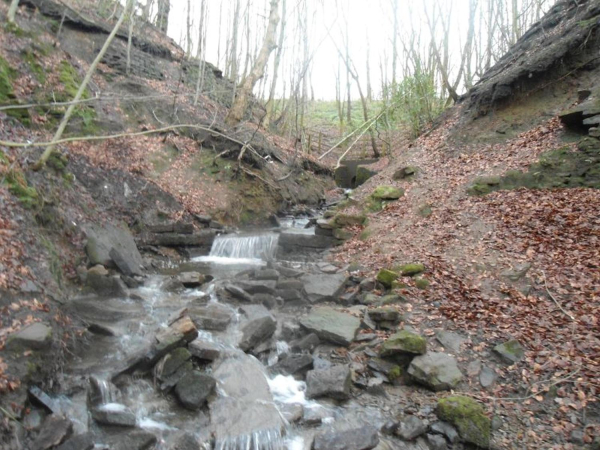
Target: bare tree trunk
pixel 200 54
pixel 270 106
pixel 12 11
pixel 131 17
pixel 88 76
pixel 233 74
pixel 188 39
pixel 368 68
pixel 395 42
pixel 236 113
pixel 162 16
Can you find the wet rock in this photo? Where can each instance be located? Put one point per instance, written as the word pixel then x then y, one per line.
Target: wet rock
pixel 101 391
pixel 37 396
pixel 114 414
pixel 451 341
pixel 468 417
pixel 193 389
pixel 289 295
pixel 447 430
pixel 266 274
pixel 511 351
pixel 290 284
pixel 192 279
pixel 314 415
pixel 331 325
pixel 214 317
pixel 363 438
pixel 324 287
pixel 33 419
pixel 436 442
pixel 204 349
pixel 390 427
pixel 80 442
pixel 333 382
pixel 255 331
pixel 125 264
pixel 258 287
pixel 104 284
pixel 402 343
pixel 289 272
pixel 37 336
pixel 134 440
pixel 487 377
pixel 203 238
pixel 171 362
pixel 390 370
pixel 292 412
pixel 437 371
pixel 290 330
pixel 183 440
pixel 294 364
pixel 411 428
pixel 306 343
pixel 294 242
pixel 239 293
pixel 55 430
pixel 101 239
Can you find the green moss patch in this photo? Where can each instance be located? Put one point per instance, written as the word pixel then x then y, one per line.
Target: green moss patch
pixel 422 283
pixel 387 277
pixel 468 417
pixel 387 193
pixel 404 342
pixel 344 219
pixel 560 168
pixel 7 95
pixel 36 68
pixel 409 270
pixel 18 186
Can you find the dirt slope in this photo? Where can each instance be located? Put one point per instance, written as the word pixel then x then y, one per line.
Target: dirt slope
pixel 519 262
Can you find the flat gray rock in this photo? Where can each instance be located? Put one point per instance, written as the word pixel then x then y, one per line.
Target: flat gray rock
pixel 331 325
pixel 101 239
pixel 510 352
pixel 487 377
pixel 193 389
pixel 333 382
pixel 324 287
pixel 255 331
pixel 437 371
pixel 36 336
pixel 214 317
pixel 449 340
pixel 204 349
pixel 363 438
pixel 55 430
pixel 114 414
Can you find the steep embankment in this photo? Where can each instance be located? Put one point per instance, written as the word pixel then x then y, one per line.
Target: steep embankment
pixel 509 251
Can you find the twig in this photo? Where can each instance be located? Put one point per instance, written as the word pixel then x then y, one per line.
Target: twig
pixel 8 415
pixel 554 299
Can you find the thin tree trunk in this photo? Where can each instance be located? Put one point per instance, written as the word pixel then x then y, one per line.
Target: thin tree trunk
pixel 162 16
pixel 88 76
pixel 278 52
pixel 236 113
pixel 12 11
pixel 130 39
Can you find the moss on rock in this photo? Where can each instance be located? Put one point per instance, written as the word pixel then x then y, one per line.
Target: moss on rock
pixel 387 193
pixel 386 277
pixel 344 219
pixel 409 270
pixel 18 186
pixel 468 417
pixel 404 342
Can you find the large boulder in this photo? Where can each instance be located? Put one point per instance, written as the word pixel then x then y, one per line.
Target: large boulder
pixel 324 287
pixel 468 417
pixel 214 316
pixel 437 371
pixel 101 239
pixel 331 325
pixel 387 277
pixel 332 382
pixel 363 438
pixel 114 414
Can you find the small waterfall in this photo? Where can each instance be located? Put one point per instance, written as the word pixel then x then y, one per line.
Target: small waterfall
pixel 257 440
pixel 258 246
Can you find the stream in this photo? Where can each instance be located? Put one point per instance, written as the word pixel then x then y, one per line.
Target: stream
pixel 119 401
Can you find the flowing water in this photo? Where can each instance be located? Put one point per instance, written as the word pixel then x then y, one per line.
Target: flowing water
pixel 246 412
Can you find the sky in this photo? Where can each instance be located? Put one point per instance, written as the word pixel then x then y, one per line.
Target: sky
pixel 370 23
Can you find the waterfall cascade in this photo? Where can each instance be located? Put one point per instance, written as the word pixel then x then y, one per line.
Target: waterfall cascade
pixel 259 246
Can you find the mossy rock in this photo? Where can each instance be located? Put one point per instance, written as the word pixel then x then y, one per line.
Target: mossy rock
pixel 405 172
pixel 409 270
pixel 345 220
pixel 511 351
pixel 404 342
pixel 392 299
pixel 468 417
pixel 7 95
pixel 395 373
pixel 365 234
pixel 422 283
pixel 386 277
pixel 36 68
pixel 387 193
pixel 58 161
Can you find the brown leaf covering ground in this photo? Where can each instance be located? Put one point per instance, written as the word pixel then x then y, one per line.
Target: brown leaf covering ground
pixel 468 242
